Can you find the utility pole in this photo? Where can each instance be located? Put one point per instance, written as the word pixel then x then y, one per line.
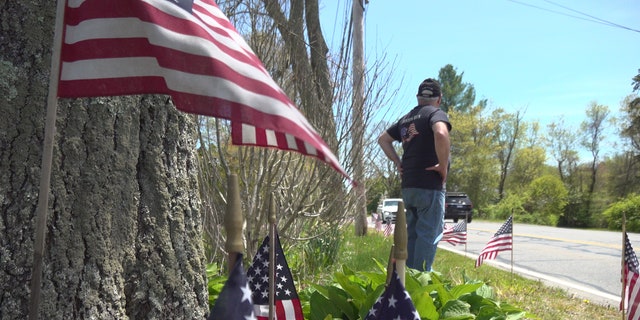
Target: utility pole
pixel 357 148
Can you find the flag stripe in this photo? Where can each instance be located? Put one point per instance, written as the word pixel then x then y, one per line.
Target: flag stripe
pixel 459 238
pixel 632 311
pixel 160 17
pixel 142 33
pixel 203 63
pixel 123 47
pixel 287 309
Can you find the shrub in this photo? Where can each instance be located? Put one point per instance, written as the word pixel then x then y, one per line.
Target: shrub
pixel 630 206
pixel 547 197
pixel 511 204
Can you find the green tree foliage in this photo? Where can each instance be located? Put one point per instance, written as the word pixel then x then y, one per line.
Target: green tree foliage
pixel 561 142
pixel 620 175
pixel 593 135
pixel 511 204
pixel 528 164
pixel 546 198
pixel 473 164
pixel 456 95
pixel 508 135
pixel 376 187
pixel 630 208
pixel 630 122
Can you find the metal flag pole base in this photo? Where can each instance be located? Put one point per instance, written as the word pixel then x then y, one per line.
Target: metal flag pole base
pixel 400 252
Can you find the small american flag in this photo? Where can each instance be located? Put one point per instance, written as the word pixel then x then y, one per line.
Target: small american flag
pixel 632 287
pixel 189 50
pixel 501 241
pixel 394 303
pixel 287 302
pixel 388 230
pixel 234 301
pixel 456 234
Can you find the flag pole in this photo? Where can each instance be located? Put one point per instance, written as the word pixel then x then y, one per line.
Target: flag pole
pixel 272 258
pixel 466 229
pixel 622 265
pixel 512 242
pixel 400 252
pixel 45 168
pixel 233 221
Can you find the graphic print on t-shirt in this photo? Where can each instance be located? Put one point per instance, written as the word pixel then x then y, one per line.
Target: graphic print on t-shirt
pixel 408 133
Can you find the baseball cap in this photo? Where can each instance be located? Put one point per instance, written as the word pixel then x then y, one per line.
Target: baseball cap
pixel 429 88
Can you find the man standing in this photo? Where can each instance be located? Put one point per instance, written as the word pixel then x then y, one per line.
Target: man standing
pixel 424 133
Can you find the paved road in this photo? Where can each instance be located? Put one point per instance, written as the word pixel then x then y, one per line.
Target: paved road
pixel 586 263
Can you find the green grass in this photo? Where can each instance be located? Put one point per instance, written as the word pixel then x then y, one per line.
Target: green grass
pixel 533 296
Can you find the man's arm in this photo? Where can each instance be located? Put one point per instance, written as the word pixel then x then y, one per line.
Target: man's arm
pixel 443 147
pixel 386 144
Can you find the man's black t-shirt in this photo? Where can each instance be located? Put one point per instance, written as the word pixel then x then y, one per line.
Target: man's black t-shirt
pixel 415 132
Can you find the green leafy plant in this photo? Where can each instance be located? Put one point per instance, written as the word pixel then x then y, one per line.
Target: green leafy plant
pixel 215 282
pixel 352 294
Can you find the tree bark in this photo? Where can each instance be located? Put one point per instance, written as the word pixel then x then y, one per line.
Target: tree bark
pixel 124 234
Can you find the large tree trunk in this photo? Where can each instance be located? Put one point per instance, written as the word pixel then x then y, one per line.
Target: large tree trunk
pixel 124 234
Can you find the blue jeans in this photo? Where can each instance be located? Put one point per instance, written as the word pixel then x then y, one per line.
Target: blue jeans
pixel 425 223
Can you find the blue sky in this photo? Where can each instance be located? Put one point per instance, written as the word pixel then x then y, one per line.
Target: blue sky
pixel 526 54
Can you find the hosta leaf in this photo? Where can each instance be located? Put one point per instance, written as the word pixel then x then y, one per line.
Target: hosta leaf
pixel 352 288
pixel 456 309
pixel 340 299
pixel 423 302
pixel 321 308
pixel 459 290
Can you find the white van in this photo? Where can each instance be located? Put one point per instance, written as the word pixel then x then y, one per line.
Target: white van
pixel 390 208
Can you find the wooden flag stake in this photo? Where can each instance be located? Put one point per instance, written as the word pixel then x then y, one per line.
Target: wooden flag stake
pixel 233 221
pixel 622 277
pixel 272 258
pixel 45 168
pixel 390 264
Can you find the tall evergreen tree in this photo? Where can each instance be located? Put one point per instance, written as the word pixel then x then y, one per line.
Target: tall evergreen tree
pixel 456 95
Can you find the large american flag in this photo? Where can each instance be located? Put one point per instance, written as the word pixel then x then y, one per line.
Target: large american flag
pixel 630 278
pixel 456 234
pixel 189 50
pixel 234 301
pixel 394 303
pixel 287 302
pixel 501 241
